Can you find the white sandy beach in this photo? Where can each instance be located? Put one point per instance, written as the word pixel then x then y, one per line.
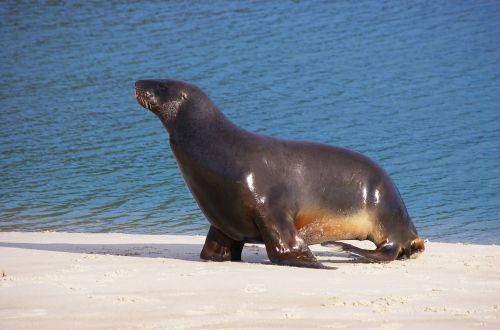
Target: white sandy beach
pixel 118 281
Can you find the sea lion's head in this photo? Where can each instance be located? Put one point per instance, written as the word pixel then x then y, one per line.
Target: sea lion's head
pixel 166 98
pixel 162 97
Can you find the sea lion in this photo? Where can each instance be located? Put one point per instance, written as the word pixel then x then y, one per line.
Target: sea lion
pixel 286 194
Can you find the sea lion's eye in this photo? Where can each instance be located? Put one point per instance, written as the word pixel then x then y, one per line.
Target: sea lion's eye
pixel 184 96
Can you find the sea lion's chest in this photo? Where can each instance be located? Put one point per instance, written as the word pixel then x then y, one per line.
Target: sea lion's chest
pixel 216 183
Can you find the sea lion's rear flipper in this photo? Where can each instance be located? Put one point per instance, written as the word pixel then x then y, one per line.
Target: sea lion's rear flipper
pixel 219 247
pixel 385 253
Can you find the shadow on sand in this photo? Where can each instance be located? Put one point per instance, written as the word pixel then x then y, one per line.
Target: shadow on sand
pixel 252 253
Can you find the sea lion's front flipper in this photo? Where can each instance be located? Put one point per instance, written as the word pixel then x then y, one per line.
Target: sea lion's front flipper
pixel 284 246
pixel 385 253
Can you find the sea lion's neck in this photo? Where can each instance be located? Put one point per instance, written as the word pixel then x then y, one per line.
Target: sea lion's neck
pixel 202 126
pixel 211 144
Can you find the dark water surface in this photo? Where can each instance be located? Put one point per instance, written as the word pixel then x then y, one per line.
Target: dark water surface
pixel 413 85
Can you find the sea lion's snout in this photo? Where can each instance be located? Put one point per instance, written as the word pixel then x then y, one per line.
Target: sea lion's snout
pixel 144 94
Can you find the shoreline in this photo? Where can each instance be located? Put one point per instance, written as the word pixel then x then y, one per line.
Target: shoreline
pixel 53 280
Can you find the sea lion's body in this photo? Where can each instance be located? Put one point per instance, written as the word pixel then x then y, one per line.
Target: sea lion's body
pixel 287 194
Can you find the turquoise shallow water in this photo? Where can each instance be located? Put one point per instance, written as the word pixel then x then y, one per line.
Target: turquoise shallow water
pixel 415 86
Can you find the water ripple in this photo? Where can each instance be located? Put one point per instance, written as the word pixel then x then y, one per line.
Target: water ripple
pixel 412 85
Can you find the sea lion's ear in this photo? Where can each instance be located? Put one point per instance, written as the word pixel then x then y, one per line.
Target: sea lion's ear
pixel 184 95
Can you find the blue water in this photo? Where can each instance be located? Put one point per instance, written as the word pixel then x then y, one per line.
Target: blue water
pixel 413 85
